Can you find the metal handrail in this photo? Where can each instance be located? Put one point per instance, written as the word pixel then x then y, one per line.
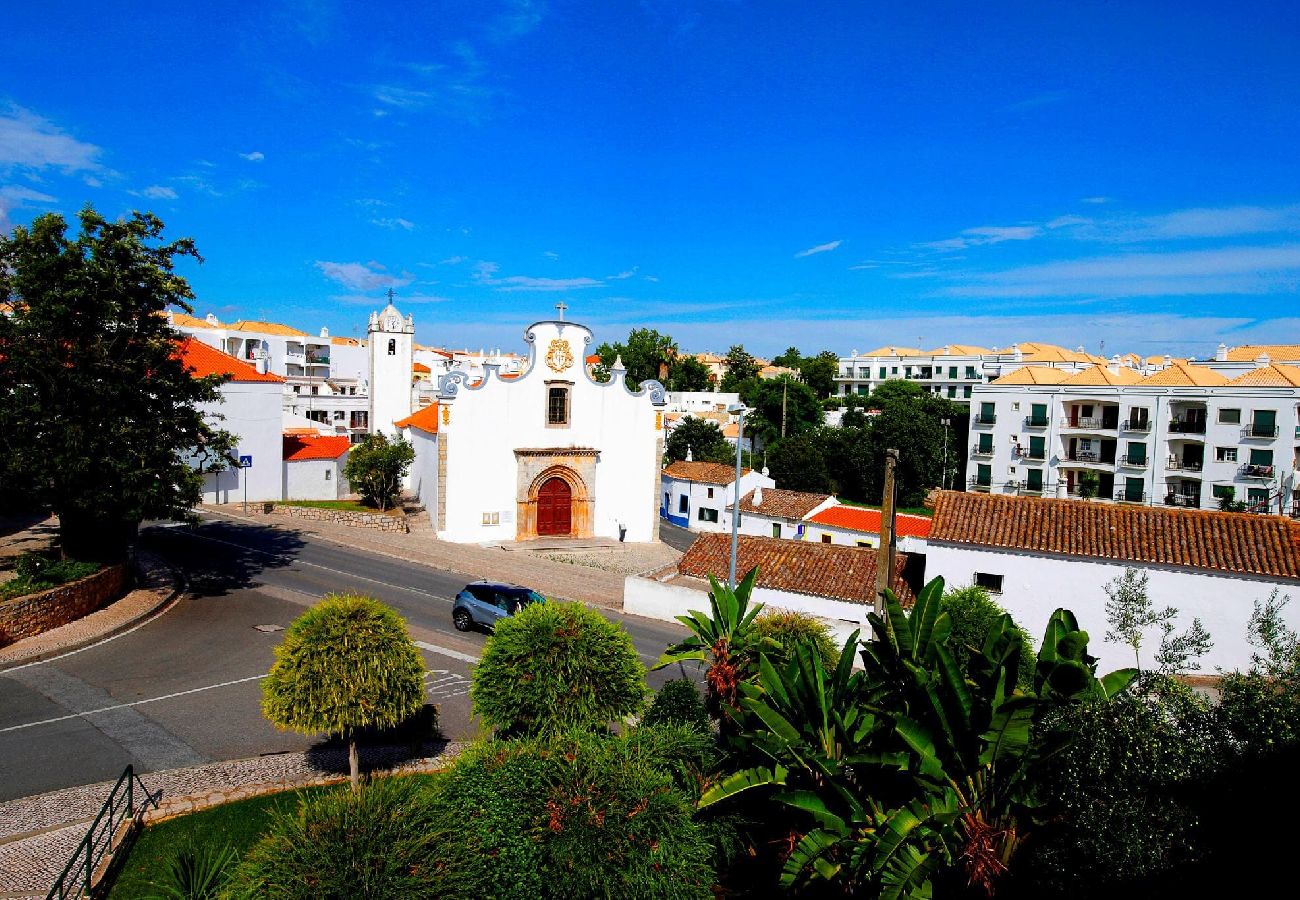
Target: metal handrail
pixel 1259 431
pixel 78 877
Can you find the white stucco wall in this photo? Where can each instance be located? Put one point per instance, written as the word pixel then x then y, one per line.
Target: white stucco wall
pixel 847 537
pixel 1034 586
pixel 488 423
pixel 656 600
pixel 252 411
pixel 422 478
pixel 315 479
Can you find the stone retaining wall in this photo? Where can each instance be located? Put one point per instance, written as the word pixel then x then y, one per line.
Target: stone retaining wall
pixel 23 617
pixel 378 521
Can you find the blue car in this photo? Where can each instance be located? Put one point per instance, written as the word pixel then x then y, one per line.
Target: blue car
pixel 482 603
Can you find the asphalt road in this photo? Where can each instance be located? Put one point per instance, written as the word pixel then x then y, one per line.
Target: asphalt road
pixel 675 536
pixel 184 689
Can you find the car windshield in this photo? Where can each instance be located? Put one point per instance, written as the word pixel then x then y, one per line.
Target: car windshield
pixel 532 597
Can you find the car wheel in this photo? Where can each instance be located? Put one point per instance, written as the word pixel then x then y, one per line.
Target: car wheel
pixel 462 620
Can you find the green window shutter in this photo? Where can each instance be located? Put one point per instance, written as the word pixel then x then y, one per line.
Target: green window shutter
pixel 1261 457
pixel 1137 452
pixel 1265 422
pixel 965 392
pixel 1034 479
pixel 883 376
pixel 986 442
pixel 1256 496
pixel 984 474
pixel 986 412
pixel 952 371
pixel 1037 446
pixel 1133 488
pixel 1038 414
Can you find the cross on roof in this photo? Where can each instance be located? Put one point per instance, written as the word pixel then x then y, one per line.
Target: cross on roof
pixel 390 296
pixel 561 307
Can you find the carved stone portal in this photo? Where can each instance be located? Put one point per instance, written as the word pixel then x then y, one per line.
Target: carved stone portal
pixel 576 467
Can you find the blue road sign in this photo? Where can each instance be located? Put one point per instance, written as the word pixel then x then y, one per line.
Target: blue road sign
pixel 245 462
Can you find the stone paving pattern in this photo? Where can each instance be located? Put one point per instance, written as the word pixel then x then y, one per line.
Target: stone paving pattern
pixel 39 834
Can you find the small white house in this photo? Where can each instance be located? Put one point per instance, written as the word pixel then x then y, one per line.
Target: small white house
pixel 696 495
pixel 837 584
pixel 1035 555
pixel 769 512
pixel 313 467
pixel 856 526
pixel 251 410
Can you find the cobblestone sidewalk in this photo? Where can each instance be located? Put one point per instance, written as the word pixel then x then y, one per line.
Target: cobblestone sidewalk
pixel 38 834
pixel 584 581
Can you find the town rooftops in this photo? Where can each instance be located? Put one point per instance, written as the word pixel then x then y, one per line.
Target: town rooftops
pixel 1097 375
pixel 420 369
pixel 1179 373
pixel 782 504
pixel 265 328
pixel 425 419
pixel 346 342
pixel 703 472
pixel 185 320
pixel 819 570
pixel 1272 375
pixel 958 350
pixel 1033 375
pixel 299 447
pixel 1251 352
pixel 203 360
pixel 1240 543
pixel 867 521
pixel 894 351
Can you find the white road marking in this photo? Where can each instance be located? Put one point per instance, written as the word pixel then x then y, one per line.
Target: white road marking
pixel 104 709
pixel 443 651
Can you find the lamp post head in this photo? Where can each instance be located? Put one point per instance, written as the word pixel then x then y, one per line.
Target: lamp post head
pixel 737 409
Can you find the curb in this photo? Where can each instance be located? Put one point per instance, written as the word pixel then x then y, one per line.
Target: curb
pixel 164 604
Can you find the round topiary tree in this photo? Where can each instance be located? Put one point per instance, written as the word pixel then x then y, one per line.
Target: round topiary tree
pixel 678 702
pixel 345 664
pixel 784 628
pixel 973 612
pixel 557 666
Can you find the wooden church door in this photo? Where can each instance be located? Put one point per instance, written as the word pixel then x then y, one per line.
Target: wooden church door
pixel 555 507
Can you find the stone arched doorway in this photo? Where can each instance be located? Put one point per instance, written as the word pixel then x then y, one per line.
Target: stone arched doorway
pixel 554 507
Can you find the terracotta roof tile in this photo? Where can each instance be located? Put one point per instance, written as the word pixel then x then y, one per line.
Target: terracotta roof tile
pixel 425 419
pixel 420 368
pixel 1223 542
pixel 1250 352
pixel 185 320
pixel 820 570
pixel 299 447
pixel 1273 375
pixel 1102 375
pixel 782 504
pixel 703 472
pixel 266 328
pixel 959 350
pixel 1180 374
pixel 867 521
pixel 203 360
pixel 1033 375
pixel 893 351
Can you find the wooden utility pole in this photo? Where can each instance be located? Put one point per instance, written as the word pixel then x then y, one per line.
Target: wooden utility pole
pixel 785 386
pixel 885 553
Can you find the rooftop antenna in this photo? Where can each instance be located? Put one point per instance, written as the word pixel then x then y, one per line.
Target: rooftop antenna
pixel 560 308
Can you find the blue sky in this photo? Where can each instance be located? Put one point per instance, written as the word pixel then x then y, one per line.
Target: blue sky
pixel 837 175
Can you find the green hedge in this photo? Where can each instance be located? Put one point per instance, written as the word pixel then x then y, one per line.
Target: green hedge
pixel 39 571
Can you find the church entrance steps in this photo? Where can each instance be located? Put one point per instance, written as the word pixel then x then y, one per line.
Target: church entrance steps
pixel 552 543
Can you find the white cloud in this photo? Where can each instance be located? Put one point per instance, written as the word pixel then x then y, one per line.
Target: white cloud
pixel 525 283
pixel 405 224
pixel 517 19
pixel 1066 222
pixel 820 248
pixel 550 254
pixel 984 235
pixel 405 300
pixel 13 197
pixel 255 156
pixel 453 261
pixel 361 276
pixel 1229 221
pixel 1096 200
pixel 156 192
pixel 28 141
pixel 626 273
pixel 457 87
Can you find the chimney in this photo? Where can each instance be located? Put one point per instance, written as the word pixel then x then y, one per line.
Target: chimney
pixel 758 496
pixel 1261 361
pixel 211 319
pixel 1221 354
pixel 324 332
pixel 259 360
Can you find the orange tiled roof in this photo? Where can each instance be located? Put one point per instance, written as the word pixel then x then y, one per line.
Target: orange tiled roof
pixel 821 570
pixel 347 342
pixel 425 419
pixel 1273 375
pixel 959 350
pixel 867 521
pixel 203 360
pixel 266 328
pixel 1181 374
pixel 782 504
pixel 299 447
pixel 185 320
pixel 593 359
pixel 1250 352
pixel 1216 541
pixel 893 351
pixel 1102 375
pixel 1033 375
pixel 703 472
pixel 420 368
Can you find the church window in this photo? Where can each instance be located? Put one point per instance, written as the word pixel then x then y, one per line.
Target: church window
pixel 392 346
pixel 557 406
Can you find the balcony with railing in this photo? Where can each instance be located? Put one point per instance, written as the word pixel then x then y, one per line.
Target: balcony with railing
pixel 982 419
pixel 1123 496
pixel 977 450
pixel 1134 462
pixel 1178 464
pixel 1037 421
pixel 1033 454
pixel 1086 456
pixel 1139 425
pixel 1259 430
pixel 1192 501
pixel 1187 426
pixel 976 484
pixel 1089 423
pixel 1252 470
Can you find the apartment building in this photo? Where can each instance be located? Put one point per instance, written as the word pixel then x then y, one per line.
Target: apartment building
pixel 1188 435
pixel 954 370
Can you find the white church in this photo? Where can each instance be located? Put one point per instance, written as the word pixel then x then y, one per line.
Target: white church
pixel 546 452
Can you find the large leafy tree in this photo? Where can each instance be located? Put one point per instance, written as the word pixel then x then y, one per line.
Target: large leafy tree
pixel 346 664
pixel 799 464
pixel 780 401
pixel 701 438
pixel 928 432
pixel 818 372
pixel 98 414
pixel 689 374
pixel 741 367
pixel 791 358
pixel 376 467
pixel 647 355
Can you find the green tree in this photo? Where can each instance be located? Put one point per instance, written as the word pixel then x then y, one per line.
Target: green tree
pixel 974 615
pixel 376 467
pixel 790 359
pixel 799 464
pixel 1089 484
pixel 689 374
pixel 925 431
pixel 345 664
pixel 647 356
pixel 775 401
pixel 99 417
pixel 818 372
pixel 1130 612
pixel 741 367
pixel 702 438
pixel 557 666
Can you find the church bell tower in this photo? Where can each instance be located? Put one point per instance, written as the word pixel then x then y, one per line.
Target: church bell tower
pixel 389 342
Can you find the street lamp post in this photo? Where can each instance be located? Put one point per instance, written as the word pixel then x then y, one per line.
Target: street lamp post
pixel 738 410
